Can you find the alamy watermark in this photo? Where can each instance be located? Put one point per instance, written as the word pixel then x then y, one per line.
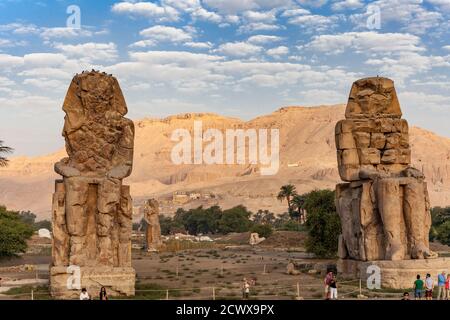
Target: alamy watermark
pixel 373 17
pixel 74 19
pixel 216 147
pixel 374 277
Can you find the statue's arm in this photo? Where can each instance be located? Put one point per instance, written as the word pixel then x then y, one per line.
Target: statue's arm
pixel 124 153
pixel 62 168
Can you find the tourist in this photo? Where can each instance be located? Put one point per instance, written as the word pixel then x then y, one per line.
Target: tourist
pixel 84 295
pixel 447 287
pixel 418 288
pixel 441 286
pixel 103 295
pixel 245 289
pixel 327 284
pixel 333 288
pixel 405 296
pixel 429 286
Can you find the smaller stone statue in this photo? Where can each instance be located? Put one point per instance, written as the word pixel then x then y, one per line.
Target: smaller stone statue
pixel 153 230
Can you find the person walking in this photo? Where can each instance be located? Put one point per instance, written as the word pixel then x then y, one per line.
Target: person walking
pixel 429 286
pixel 103 295
pixel 441 286
pixel 84 295
pixel 447 287
pixel 245 289
pixel 333 288
pixel 326 282
pixel 418 288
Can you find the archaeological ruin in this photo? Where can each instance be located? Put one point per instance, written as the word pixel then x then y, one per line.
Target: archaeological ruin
pixel 92 208
pixel 383 205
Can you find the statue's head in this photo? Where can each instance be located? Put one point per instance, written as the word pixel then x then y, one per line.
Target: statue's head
pixel 93 95
pixel 153 206
pixel 373 97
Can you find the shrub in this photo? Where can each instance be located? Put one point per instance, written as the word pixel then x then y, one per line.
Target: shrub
pixel 13 233
pixel 263 230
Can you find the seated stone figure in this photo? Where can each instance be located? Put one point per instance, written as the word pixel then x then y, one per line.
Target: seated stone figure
pixel 95 223
pixel 384 209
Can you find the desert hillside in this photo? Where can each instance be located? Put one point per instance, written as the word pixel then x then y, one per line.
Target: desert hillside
pixel 307 160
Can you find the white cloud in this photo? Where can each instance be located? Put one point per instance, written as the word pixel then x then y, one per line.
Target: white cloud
pixel 347 5
pixel 199 45
pixel 90 51
pixel 203 14
pixel 9 61
pixel 295 12
pixel 165 34
pixel 446 48
pixel 63 32
pixel 278 51
pixel 238 49
pixel 260 16
pixel 313 22
pixel 365 42
pixel 147 10
pixel 143 44
pixel 257 26
pixel 263 39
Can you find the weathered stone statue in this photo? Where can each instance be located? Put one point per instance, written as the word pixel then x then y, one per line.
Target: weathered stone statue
pixel 92 209
pixel 384 206
pixel 153 229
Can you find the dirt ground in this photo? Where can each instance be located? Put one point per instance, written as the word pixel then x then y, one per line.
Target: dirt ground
pixel 213 272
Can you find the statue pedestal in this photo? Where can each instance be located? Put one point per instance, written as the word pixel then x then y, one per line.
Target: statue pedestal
pixel 394 274
pixel 118 281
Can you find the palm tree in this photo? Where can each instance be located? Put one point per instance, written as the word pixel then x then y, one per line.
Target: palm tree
pixel 298 202
pixel 287 192
pixel 3 150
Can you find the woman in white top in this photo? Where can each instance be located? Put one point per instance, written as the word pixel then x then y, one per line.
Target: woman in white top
pixel 84 295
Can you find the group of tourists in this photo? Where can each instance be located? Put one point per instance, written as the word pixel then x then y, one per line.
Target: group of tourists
pixel 330 283
pixel 84 295
pixel 428 286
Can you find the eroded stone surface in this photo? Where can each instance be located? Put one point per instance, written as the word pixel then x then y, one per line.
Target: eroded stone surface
pixel 92 209
pixel 384 209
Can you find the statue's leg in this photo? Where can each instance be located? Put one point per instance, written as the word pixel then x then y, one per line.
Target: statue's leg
pixel 76 218
pixel 416 214
pixel 107 203
pixel 390 207
pixel 125 226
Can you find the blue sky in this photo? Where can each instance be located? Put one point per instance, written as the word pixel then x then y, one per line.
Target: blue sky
pixel 239 58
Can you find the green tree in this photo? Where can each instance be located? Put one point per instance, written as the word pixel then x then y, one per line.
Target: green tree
pixel 443 233
pixel 264 217
pixel 3 151
pixel 298 210
pixel 14 233
pixel 323 223
pixel 236 219
pixel 263 230
pixel 287 192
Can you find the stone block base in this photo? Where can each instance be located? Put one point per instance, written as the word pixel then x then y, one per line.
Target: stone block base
pixel 394 274
pixel 117 281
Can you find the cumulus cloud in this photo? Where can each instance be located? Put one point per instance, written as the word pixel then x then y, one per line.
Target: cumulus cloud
pixel 165 34
pixel 262 39
pixel 347 4
pixel 278 51
pixel 90 51
pixel 365 42
pixel 238 49
pixel 147 10
pixel 199 45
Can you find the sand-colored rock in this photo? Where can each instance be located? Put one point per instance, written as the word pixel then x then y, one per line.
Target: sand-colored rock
pixel 153 228
pixel 384 209
pixel 306 141
pixel 92 210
